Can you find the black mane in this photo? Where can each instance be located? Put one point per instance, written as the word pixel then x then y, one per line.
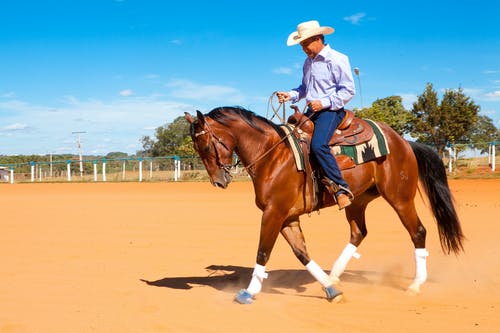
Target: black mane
pixel 224 115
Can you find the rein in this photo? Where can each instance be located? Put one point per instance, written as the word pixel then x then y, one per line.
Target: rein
pixel 275 110
pixel 296 127
pixel 217 140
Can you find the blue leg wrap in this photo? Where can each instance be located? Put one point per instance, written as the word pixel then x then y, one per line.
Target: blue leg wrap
pixel 332 293
pixel 243 297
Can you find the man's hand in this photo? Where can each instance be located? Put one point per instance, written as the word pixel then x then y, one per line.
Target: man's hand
pixel 283 96
pixel 315 106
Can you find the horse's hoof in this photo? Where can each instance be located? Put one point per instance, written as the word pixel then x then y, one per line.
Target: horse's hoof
pixel 413 289
pixel 243 297
pixel 333 295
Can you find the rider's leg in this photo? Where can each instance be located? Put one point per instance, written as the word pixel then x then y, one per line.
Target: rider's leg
pixel 325 124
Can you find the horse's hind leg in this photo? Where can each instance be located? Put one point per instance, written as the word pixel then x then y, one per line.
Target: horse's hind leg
pixel 294 236
pixel 409 217
pixel 402 200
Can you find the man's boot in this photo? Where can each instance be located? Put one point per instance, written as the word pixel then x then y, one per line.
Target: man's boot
pixel 342 196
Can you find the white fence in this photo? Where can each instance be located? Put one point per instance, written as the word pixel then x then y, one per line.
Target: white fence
pixel 121 169
pixel 453 158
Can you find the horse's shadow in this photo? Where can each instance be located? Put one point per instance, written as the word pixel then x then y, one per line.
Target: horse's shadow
pixel 231 278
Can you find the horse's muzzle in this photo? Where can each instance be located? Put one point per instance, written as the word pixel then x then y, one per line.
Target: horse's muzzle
pixel 222 179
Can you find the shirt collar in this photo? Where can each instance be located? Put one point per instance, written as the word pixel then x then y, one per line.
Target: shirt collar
pixel 324 51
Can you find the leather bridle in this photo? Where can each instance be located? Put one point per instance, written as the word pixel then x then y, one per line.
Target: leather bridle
pixel 215 140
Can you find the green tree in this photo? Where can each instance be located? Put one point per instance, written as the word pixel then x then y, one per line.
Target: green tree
pixel 442 124
pixel 170 139
pixel 116 154
pixel 186 148
pixel 389 110
pixel 483 133
pixel 425 116
pixel 460 114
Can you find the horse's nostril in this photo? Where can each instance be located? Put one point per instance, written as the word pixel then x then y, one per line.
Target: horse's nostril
pixel 221 185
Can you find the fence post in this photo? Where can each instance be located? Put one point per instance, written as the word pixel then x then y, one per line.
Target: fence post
pixel 177 168
pixel 450 156
pixel 12 175
pixel 32 171
pixel 95 170
pixel 140 169
pixel 493 158
pixel 103 169
pixel 150 169
pixel 489 153
pixel 68 169
pixel 123 170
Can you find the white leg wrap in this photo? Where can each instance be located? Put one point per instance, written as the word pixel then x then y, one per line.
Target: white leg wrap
pixel 344 258
pixel 319 274
pixel 258 276
pixel 421 265
pixel 420 270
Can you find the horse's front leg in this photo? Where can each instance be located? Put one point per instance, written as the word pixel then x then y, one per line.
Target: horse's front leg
pixel 295 237
pixel 272 221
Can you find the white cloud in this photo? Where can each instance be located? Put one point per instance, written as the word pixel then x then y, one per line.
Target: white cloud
pixel 472 92
pixel 9 94
pixel 493 96
pixel 17 106
pixel 124 121
pixel 126 93
pixel 408 100
pixel 356 18
pixel 489 112
pixel 193 91
pixel 282 70
pixel 14 127
pixel 28 128
pixel 480 94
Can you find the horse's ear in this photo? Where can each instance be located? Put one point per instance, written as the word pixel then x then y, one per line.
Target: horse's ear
pixel 188 117
pixel 201 118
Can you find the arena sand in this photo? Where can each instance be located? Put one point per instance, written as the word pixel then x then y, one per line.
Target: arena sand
pixel 169 257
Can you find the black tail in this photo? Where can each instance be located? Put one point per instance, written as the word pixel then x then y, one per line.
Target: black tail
pixel 432 174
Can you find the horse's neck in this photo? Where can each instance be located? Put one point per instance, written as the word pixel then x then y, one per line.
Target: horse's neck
pixel 256 148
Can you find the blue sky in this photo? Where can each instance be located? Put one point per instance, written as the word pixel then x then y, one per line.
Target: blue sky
pixel 117 69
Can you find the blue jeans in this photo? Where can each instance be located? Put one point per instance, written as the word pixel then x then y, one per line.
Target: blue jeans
pixel 325 124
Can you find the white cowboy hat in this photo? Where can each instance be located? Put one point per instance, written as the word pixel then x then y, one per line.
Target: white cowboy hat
pixel 306 30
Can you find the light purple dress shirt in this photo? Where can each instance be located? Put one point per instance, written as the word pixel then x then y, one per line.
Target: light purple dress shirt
pixel 327 78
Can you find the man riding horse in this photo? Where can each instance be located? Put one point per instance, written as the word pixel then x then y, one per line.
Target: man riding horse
pixel 327 85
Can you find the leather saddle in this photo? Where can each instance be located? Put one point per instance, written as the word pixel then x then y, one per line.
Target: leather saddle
pixel 350 132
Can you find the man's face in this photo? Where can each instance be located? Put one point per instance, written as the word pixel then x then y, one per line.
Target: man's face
pixel 312 46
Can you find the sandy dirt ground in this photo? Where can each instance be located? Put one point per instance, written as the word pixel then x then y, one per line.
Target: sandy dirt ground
pixel 169 257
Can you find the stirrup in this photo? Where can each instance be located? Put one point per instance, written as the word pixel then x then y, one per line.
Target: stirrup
pixel 347 191
pixel 334 188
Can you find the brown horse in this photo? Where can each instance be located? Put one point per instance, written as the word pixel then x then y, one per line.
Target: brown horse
pixel 279 190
